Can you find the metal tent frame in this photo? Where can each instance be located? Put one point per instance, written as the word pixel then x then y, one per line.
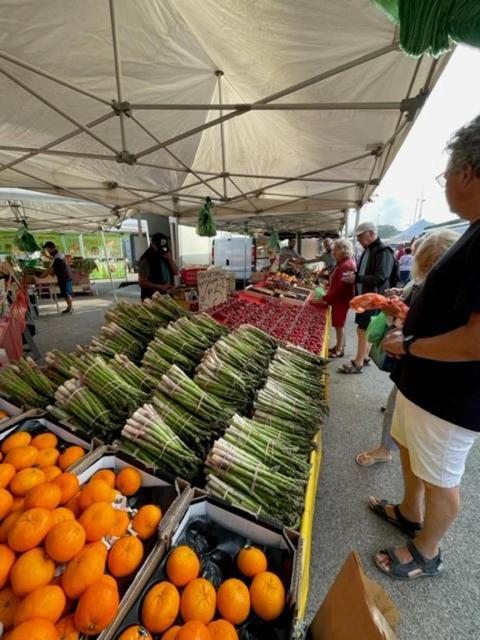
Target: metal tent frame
pixel 314 199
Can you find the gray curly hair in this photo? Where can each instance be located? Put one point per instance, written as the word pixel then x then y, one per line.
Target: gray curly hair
pixel 464 147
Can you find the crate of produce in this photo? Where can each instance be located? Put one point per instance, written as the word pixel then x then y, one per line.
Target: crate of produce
pixel 8 411
pixel 216 550
pixel 70 446
pixel 189 275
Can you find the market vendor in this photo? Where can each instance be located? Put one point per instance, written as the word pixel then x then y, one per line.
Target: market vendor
pixel 289 254
pixel 156 267
pixel 59 268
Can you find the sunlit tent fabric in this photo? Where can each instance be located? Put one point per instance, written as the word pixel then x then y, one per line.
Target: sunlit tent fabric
pixel 285 113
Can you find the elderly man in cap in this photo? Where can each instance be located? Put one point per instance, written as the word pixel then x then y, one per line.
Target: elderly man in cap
pixel 374 272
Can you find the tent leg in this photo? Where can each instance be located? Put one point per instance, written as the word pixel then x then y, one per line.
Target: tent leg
pixel 219 75
pixel 106 258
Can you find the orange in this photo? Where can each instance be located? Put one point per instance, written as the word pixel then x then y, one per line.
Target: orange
pixel 46 602
pixel 125 556
pixel 268 596
pixel 146 521
pixel 251 561
pixel 61 515
pixel 19 439
pixel 8 604
pixel 172 633
pixel 47 458
pixel 7 471
pixel 128 481
pixel 31 570
pixel 7 558
pixel 66 629
pixel 96 490
pixel 198 601
pixel 107 475
pixel 51 472
pixel 84 569
pixel 136 632
pixel 65 540
pixel 120 524
pixel 193 630
pixel 45 494
pixel 183 566
pixel 233 601
pixel 45 441
pixel 18 503
pixel 160 607
pixel 97 520
pixel 34 629
pixel 30 529
pixel 6 502
pixel 69 485
pixel 25 480
pixel 222 630
pixel 7 523
pixel 70 456
pixel 22 457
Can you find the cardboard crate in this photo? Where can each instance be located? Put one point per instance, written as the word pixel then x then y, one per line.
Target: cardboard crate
pixel 283 547
pixel 9 408
pixel 155 490
pixel 65 436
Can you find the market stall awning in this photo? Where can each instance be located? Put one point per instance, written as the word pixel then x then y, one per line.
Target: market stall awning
pixel 286 114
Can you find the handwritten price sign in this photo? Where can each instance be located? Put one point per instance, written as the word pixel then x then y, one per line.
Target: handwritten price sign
pixel 213 288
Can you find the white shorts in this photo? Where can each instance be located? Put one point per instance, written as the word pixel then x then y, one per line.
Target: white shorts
pixel 438 449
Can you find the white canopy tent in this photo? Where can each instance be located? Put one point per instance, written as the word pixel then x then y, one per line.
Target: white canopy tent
pixel 286 114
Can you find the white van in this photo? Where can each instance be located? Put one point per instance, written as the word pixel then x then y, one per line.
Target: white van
pixel 236 254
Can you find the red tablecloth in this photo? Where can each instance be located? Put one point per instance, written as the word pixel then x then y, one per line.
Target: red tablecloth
pixel 13 326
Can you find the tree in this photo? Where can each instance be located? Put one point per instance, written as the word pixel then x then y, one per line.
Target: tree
pixel 387 230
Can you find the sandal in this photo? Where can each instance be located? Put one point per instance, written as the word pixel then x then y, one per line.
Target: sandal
pixel 419 567
pixel 350 367
pixel 367 362
pixel 368 460
pixel 333 353
pixel 402 523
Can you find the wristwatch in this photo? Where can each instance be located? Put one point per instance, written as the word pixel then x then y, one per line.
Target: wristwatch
pixel 407 343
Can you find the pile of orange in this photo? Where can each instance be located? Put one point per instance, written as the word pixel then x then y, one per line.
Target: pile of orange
pixel 58 579
pixel 196 601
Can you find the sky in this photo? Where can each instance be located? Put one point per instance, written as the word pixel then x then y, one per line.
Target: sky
pixel 454 101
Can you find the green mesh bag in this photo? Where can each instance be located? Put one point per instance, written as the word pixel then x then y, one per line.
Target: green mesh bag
pixel 206 226
pixel 25 241
pixel 274 241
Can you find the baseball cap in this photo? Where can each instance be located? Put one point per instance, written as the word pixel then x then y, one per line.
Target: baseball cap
pixel 365 226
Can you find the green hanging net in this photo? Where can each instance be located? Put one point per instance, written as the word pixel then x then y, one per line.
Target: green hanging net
pixel 429 26
pixel 25 241
pixel 274 241
pixel 206 222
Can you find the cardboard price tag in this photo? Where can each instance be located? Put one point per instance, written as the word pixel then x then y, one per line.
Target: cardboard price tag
pixel 213 288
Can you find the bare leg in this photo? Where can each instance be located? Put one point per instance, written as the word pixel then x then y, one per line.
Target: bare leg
pixel 363 347
pixel 382 452
pixel 340 334
pixel 69 302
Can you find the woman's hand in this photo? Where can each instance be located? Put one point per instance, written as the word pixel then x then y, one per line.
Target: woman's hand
pixel 393 343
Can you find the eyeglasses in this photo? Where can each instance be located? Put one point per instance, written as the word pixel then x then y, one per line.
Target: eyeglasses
pixel 442 179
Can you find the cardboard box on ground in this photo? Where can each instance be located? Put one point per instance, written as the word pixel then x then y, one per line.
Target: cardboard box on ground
pixel 355 607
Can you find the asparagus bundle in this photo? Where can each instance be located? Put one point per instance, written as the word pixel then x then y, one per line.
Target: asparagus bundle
pixel 178 386
pixel 242 478
pixel 195 432
pixel 20 391
pixel 134 318
pixel 235 367
pixel 133 375
pixel 164 308
pixel 153 363
pixel 62 362
pixel 148 437
pixel 31 374
pixel 114 339
pixel 84 407
pixel 101 378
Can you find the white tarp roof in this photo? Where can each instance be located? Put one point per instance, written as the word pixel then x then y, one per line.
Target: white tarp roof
pixel 311 89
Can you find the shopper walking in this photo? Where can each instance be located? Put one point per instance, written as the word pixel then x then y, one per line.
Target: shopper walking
pixel 59 268
pixel 339 293
pixel 374 275
pixel 437 414
pixel 156 267
pixel 405 265
pixel 427 251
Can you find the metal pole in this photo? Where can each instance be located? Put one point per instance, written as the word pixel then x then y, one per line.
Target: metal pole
pixel 118 72
pixel 106 258
pixel 357 216
pixel 219 75
pixel 346 221
pixel 284 106
pixel 80 242
pixel 147 232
